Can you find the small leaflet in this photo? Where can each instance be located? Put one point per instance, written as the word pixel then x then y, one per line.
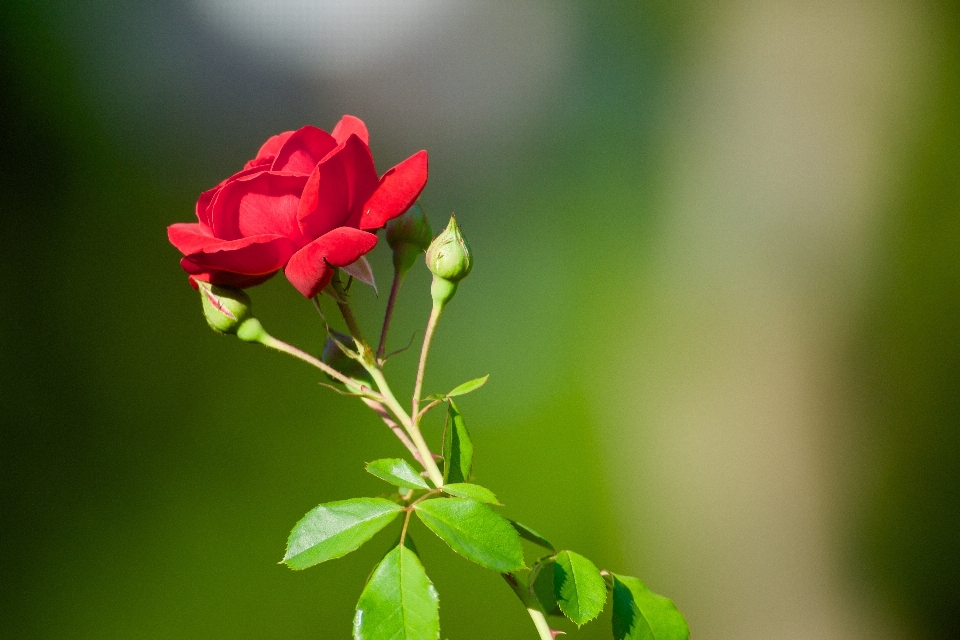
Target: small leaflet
pixel 398 472
pixel 467 387
pixel 579 587
pixel 472 491
pixel 641 614
pixel 457 448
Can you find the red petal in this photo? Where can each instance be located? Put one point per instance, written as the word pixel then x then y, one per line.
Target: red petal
pixel 203 206
pixel 258 163
pixel 190 237
pixel 263 203
pixel 310 268
pixel 399 188
pixel 221 277
pixel 337 188
pixel 302 151
pixel 350 125
pixel 270 148
pixel 208 199
pixel 257 255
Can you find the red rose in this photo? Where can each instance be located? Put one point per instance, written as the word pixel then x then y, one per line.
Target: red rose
pixel 305 203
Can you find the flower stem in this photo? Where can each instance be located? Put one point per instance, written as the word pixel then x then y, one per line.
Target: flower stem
pixel 388 314
pixel 424 351
pixel 412 429
pixel 398 431
pixel 540 622
pixel 352 325
pixel 406 523
pixel 371 365
pixel 280 345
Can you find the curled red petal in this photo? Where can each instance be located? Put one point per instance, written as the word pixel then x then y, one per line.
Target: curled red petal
pixel 350 125
pixel 302 151
pixel 203 206
pixel 271 147
pixel 257 255
pixel 205 201
pixel 398 189
pixel 239 280
pixel 190 237
pixel 311 268
pixel 337 189
pixel 258 163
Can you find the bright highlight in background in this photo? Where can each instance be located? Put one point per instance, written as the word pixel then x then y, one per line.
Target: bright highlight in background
pixel 334 37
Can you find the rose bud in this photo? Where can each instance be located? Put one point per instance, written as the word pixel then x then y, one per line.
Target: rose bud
pixel 228 310
pixel 449 260
pixel 334 356
pixel 408 236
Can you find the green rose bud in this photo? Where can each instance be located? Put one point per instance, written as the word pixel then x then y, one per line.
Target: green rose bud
pixel 448 256
pixel 449 260
pixel 228 310
pixel 408 236
pixel 334 356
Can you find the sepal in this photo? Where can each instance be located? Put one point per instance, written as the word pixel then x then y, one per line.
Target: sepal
pixel 335 356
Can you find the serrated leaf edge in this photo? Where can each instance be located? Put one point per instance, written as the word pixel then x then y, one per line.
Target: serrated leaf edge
pixel 560 602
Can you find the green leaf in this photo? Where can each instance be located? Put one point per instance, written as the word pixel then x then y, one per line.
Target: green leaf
pixel 398 472
pixel 457 448
pixel 542 588
pixel 579 587
pixel 407 542
pixel 474 531
pixel 471 491
pixel 335 529
pixel 399 602
pixel 532 536
pixel 640 614
pixel 467 387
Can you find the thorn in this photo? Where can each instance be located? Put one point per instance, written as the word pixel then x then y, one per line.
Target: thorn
pixel 398 351
pixel 316 303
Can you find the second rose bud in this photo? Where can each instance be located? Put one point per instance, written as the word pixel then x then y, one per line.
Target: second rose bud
pixel 450 261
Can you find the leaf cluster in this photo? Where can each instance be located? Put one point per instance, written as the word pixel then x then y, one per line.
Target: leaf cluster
pixel 399 602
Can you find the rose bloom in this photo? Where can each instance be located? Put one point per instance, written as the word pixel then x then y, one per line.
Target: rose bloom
pixel 306 204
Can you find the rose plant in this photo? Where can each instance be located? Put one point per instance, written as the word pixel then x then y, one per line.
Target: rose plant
pixel 310 203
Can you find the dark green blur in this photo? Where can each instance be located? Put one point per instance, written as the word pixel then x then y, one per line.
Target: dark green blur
pixel 908 358
pixel 150 470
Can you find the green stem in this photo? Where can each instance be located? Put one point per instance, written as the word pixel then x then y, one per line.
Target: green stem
pixel 352 325
pixel 280 345
pixel 412 429
pixel 397 430
pixel 388 314
pixel 540 622
pixel 406 523
pixel 421 368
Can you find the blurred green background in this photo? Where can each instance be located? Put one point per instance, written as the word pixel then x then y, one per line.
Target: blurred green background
pixel 717 288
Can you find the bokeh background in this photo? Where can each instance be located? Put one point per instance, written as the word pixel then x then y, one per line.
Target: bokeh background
pixel 717 288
